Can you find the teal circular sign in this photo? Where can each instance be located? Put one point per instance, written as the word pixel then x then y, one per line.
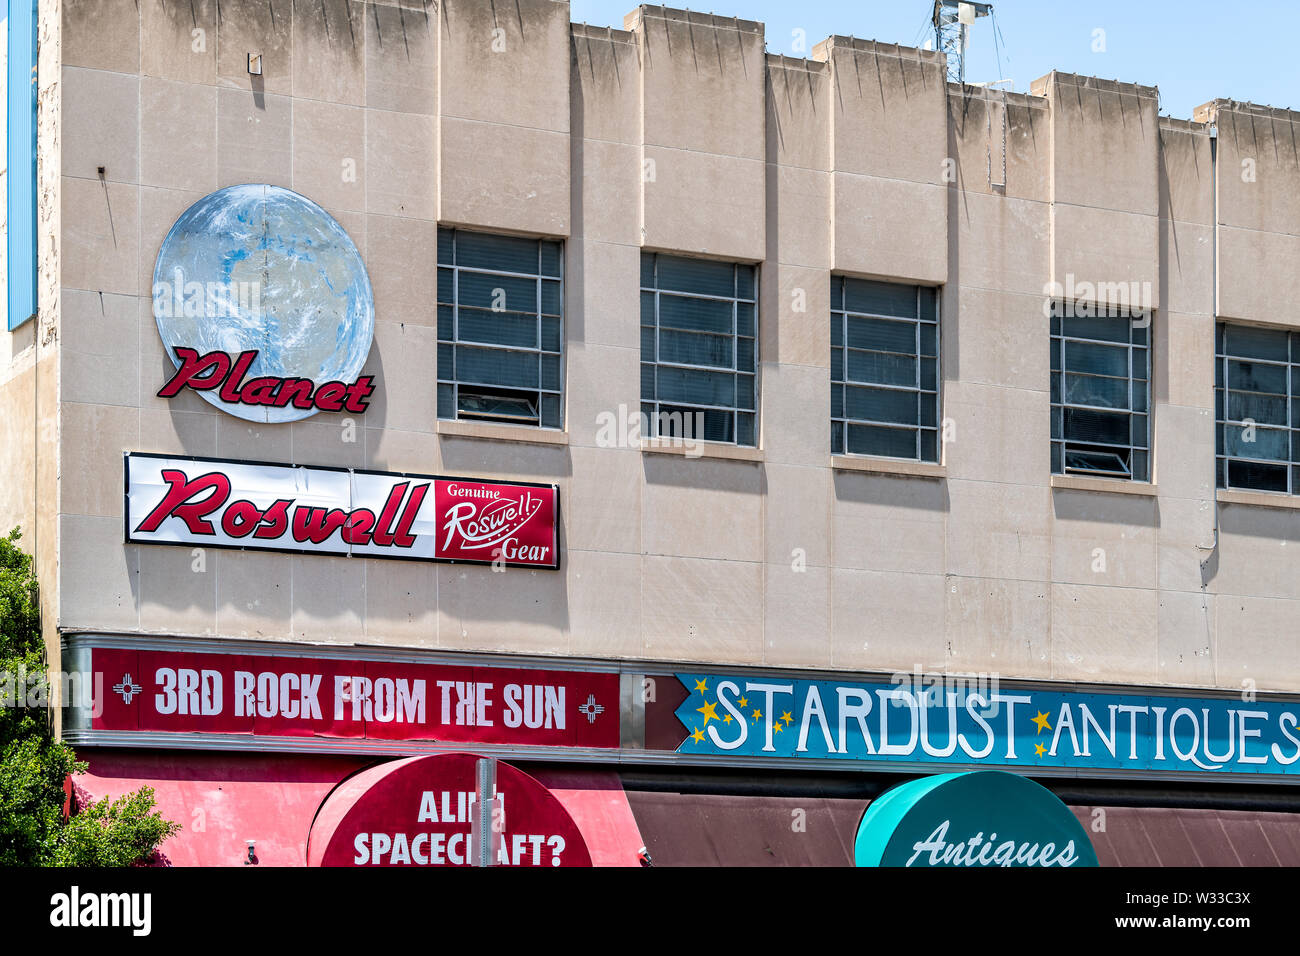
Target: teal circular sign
pixel 977 819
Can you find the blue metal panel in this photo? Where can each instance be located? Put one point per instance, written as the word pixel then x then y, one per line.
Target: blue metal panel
pixel 21 158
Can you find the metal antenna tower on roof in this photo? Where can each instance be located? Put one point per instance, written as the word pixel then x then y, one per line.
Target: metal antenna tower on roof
pixel 952 21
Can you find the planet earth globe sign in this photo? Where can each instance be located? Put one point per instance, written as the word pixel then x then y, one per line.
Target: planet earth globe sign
pixel 259 267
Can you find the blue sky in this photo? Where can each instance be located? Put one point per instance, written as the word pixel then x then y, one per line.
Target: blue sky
pixel 1194 51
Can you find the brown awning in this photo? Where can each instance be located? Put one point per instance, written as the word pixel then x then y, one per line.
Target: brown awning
pixel 691 829
pixel 1154 836
pixel 704 829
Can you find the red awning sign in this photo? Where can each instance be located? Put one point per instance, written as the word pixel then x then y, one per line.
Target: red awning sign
pixel 419 812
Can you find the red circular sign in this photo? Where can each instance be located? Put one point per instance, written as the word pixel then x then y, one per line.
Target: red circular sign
pixel 419 812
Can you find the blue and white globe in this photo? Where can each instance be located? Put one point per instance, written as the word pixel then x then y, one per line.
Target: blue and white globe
pixel 262 267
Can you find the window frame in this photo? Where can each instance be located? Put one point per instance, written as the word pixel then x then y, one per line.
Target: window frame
pixel 839 310
pixel 538 348
pixel 1222 408
pixel 653 419
pixel 1057 392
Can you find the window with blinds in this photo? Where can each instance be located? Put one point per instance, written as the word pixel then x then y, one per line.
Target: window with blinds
pixel 698 349
pixel 1257 408
pixel 500 313
pixel 1101 386
pixel 884 369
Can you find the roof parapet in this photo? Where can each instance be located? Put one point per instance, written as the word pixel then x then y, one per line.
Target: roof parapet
pixel 646 11
pixel 822 51
pixel 1043 84
pixel 1209 112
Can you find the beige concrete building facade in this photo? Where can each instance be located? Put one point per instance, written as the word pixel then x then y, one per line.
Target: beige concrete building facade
pixel 678 134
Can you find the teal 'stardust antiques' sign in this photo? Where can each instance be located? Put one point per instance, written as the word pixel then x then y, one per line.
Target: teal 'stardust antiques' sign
pixel 981 818
pixel 987 725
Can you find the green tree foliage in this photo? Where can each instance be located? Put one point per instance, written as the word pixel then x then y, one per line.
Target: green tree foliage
pixel 34 766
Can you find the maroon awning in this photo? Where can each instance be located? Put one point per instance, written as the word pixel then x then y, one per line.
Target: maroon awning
pixel 726 830
pixel 701 829
pixel 1154 836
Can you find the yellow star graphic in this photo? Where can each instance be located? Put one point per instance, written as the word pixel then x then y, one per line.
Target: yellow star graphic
pixel 698 736
pixel 726 718
pixel 702 686
pixel 709 711
pixel 743 702
pixel 1039 750
pixel 758 714
pixel 787 718
pixel 1041 721
pixel 778 727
